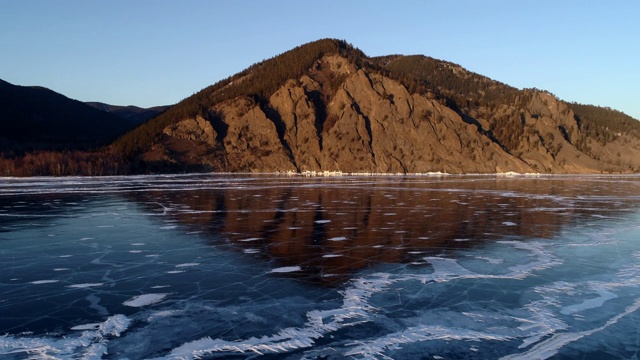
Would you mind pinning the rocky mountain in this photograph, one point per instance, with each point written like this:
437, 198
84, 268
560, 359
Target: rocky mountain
133, 114
36, 118
326, 106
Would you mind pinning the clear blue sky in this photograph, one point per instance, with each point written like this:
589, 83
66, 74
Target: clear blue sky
155, 52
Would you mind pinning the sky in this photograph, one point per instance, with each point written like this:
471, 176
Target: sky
158, 52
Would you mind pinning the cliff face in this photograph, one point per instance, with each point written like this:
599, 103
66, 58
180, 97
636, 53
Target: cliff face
341, 117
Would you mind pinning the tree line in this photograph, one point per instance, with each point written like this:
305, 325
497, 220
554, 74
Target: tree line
65, 163
604, 124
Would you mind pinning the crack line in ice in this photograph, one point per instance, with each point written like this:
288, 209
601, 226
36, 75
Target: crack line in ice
419, 333
550, 347
356, 310
589, 303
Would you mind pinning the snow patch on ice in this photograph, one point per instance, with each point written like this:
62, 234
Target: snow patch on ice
39, 282
163, 314
286, 269
85, 285
94, 326
337, 238
187, 265
145, 299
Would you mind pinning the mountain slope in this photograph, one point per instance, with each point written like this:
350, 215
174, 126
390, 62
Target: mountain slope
326, 106
133, 114
35, 118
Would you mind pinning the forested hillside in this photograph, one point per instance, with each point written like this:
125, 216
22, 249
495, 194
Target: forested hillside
133, 114
36, 118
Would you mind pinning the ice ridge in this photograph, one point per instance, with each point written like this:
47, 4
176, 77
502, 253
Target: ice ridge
90, 344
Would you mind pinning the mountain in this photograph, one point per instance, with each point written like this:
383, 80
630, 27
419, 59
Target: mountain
36, 118
133, 114
326, 106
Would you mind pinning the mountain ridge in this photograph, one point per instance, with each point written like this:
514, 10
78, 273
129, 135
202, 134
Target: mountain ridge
37, 118
133, 114
326, 106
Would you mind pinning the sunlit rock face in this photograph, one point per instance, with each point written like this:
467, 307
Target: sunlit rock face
395, 267
339, 117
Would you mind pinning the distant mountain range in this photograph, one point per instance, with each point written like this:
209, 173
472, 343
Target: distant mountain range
326, 106
133, 114
36, 118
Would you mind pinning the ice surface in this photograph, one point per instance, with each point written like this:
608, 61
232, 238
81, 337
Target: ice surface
552, 346
589, 303
350, 267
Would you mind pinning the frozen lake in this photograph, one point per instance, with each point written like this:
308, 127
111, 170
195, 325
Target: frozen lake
278, 267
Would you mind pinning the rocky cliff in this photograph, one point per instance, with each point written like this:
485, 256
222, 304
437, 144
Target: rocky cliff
358, 115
